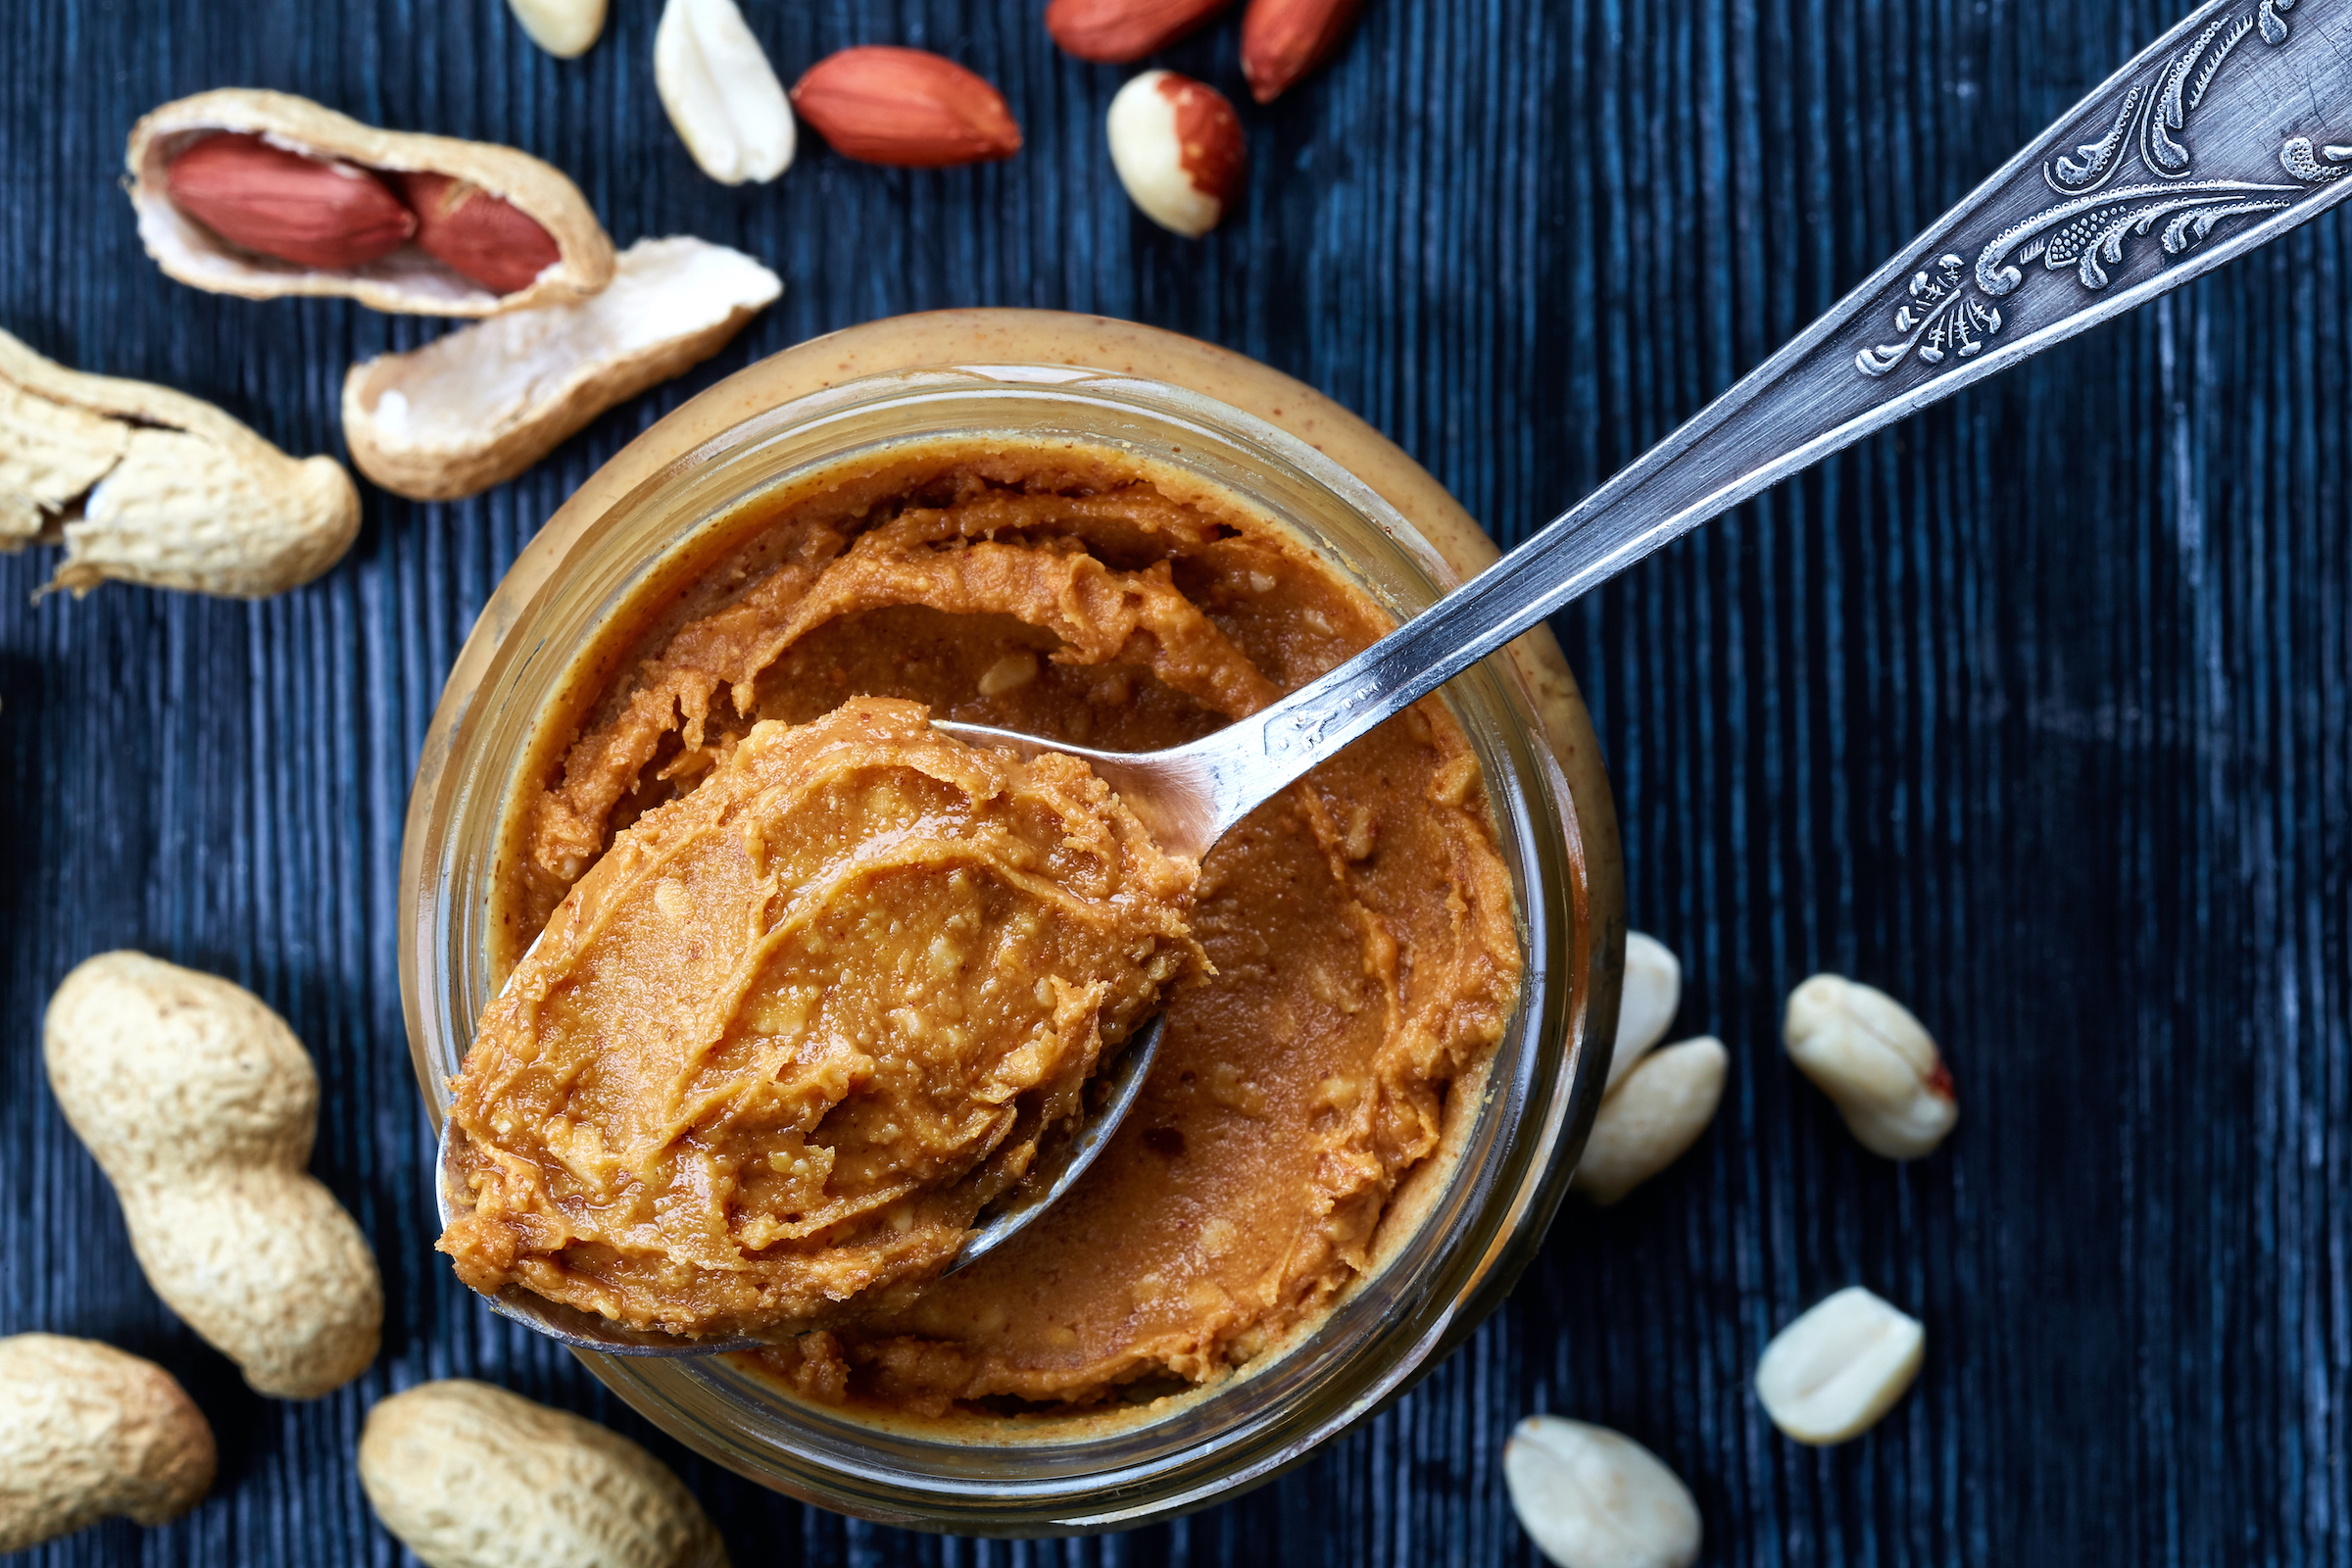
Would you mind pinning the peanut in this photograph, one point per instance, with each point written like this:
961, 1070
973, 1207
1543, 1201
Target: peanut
1177, 145
88, 1433
722, 95
565, 29
1118, 32
146, 485
1596, 1499
263, 195
200, 1106
906, 107
1647, 1121
1878, 1064
1281, 41
1646, 1003
1834, 1372
468, 231
471, 1476
314, 211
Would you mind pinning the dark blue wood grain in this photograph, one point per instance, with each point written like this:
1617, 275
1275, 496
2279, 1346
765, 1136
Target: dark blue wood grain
2037, 710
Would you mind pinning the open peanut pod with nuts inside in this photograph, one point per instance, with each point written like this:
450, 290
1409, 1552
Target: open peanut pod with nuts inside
257, 193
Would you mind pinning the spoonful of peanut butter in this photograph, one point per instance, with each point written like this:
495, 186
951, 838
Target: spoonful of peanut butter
797, 1030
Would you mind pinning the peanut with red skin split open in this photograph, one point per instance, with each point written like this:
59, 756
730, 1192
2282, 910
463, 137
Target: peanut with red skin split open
315, 212
1177, 146
273, 137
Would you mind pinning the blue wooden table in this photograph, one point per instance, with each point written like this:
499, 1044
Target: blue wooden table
2037, 710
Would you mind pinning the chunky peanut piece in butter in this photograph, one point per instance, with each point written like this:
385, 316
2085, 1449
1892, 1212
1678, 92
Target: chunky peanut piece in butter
778, 1046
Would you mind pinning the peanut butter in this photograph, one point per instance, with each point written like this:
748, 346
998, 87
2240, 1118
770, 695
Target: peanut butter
779, 1046
1359, 930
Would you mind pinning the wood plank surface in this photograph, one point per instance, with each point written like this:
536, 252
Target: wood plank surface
2033, 710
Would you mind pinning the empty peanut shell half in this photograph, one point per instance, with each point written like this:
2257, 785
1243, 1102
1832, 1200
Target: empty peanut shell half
484, 402
243, 191
143, 484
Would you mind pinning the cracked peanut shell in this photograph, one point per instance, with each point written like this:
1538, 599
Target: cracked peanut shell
147, 485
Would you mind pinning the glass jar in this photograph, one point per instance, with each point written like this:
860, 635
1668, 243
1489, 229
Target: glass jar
1462, 1224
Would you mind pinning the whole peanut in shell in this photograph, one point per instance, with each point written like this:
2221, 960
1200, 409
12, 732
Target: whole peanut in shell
88, 1433
471, 1476
316, 212
200, 1106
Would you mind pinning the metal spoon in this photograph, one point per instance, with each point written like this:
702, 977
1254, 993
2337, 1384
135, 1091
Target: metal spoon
2226, 132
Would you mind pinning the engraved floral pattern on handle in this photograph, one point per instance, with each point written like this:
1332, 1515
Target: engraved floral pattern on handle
1949, 313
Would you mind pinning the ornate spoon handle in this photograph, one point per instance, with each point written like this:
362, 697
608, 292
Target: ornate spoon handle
2225, 133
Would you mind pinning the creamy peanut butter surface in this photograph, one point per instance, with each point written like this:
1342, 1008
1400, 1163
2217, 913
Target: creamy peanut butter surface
793, 1028
1359, 927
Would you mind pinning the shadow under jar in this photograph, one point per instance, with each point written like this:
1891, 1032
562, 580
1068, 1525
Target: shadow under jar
585, 601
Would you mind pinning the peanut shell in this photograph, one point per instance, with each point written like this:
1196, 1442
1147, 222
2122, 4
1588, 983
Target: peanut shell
480, 405
200, 1106
143, 484
408, 280
469, 1476
88, 1433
